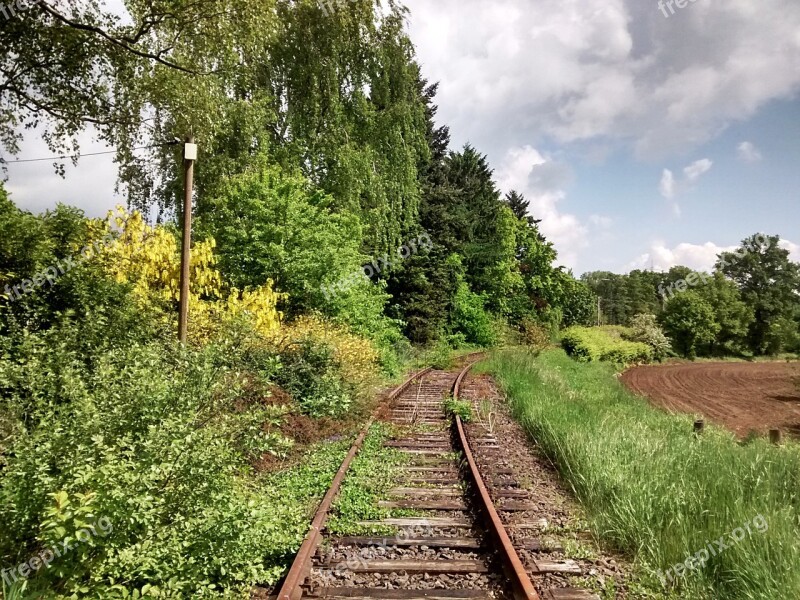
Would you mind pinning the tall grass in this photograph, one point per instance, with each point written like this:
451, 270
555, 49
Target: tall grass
655, 491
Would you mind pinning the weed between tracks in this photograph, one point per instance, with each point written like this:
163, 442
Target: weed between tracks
654, 491
372, 474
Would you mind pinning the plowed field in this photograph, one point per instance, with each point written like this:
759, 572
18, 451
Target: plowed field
741, 396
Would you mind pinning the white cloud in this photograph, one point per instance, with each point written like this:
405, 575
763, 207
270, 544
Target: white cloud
697, 168
748, 152
600, 221
794, 250
700, 257
667, 185
542, 180
616, 69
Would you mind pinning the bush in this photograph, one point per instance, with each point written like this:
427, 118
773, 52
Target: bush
471, 318
587, 344
310, 374
645, 329
534, 335
155, 440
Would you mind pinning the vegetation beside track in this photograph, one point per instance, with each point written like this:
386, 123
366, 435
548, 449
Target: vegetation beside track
369, 479
653, 490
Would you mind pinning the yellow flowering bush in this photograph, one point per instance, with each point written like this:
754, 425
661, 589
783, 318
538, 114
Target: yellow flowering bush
358, 358
149, 258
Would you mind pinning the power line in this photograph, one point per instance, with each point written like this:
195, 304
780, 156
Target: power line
30, 160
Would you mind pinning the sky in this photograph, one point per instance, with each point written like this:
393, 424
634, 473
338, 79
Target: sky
645, 135
641, 140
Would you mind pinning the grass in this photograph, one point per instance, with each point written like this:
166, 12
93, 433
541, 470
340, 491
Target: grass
653, 490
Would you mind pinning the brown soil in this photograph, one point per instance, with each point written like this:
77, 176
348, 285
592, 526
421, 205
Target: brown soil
743, 397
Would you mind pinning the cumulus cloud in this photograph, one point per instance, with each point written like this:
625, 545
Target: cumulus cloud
794, 250
697, 168
700, 257
542, 180
748, 152
584, 69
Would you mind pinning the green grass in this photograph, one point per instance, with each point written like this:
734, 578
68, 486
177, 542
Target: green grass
653, 490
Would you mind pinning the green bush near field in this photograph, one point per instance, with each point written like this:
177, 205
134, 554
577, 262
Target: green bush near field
652, 489
587, 344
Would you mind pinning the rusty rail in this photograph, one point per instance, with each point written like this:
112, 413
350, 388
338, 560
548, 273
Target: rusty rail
301, 567
521, 584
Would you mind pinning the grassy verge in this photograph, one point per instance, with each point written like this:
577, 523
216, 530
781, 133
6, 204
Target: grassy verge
652, 490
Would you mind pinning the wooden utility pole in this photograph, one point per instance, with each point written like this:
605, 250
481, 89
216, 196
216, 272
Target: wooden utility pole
189, 156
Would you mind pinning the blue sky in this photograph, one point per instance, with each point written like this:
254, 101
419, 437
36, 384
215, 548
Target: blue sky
625, 129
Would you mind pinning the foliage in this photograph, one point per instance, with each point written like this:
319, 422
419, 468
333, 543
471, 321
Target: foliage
768, 282
372, 474
752, 293
645, 482
689, 320
148, 258
471, 318
534, 335
460, 408
645, 329
732, 314
587, 344
357, 357
155, 440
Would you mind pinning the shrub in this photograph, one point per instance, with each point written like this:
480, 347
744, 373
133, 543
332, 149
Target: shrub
587, 344
310, 374
534, 335
154, 440
461, 408
645, 329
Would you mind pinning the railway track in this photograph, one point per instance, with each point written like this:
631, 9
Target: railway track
465, 540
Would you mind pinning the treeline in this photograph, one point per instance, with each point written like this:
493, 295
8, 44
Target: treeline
319, 154
748, 305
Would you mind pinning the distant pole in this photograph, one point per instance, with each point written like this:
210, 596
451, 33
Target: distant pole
189, 156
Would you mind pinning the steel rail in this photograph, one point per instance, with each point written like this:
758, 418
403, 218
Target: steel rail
301, 566
521, 583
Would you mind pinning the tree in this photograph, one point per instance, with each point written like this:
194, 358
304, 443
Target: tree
689, 320
269, 224
768, 282
732, 314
